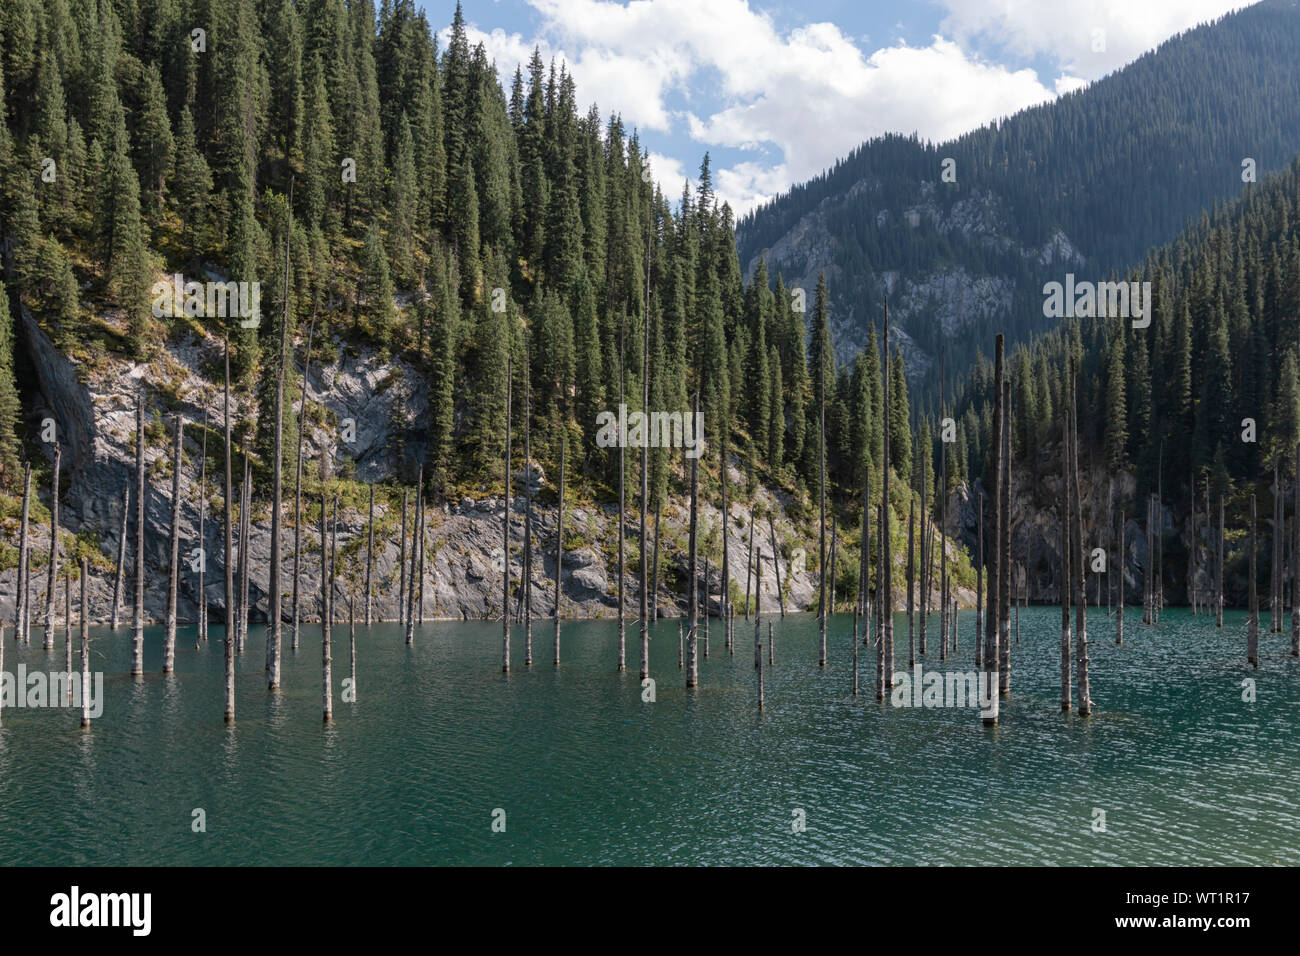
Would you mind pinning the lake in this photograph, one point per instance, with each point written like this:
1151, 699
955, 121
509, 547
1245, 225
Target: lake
440, 745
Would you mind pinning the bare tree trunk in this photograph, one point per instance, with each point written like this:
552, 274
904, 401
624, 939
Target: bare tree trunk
169, 642
758, 625
20, 598
886, 551
1252, 631
1275, 563
401, 559
830, 588
776, 562
693, 600
943, 514
725, 600
1119, 595
994, 613
297, 493
821, 498
1295, 562
924, 575
85, 646
505, 543
622, 472
527, 595
27, 600
67, 629
979, 580
370, 556
203, 514
54, 551
559, 551
749, 562
1218, 573
414, 582
137, 615
1080, 607
245, 546
352, 645
424, 530
911, 537
1004, 562
654, 588
326, 615
681, 653
706, 604
880, 604
644, 623
229, 567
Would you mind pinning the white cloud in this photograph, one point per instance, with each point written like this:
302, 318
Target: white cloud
1067, 32
800, 100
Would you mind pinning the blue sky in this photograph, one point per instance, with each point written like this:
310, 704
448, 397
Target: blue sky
777, 91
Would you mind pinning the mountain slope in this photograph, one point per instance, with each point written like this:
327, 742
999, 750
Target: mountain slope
1085, 184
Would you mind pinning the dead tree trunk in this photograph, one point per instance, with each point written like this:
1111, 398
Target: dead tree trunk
911, 537
274, 631
370, 556
1076, 527
758, 626
414, 583
54, 550
644, 568
654, 588
693, 600
505, 543
85, 646
226, 558
327, 683
622, 472
886, 551
1004, 561
821, 497
297, 492
20, 598
352, 646
424, 531
925, 553
559, 550
991, 655
169, 642
203, 514
137, 615
245, 542
1252, 628
1295, 562
401, 547
527, 595
725, 598
1218, 573
1119, 585
979, 580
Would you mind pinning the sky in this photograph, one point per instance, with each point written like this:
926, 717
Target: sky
777, 90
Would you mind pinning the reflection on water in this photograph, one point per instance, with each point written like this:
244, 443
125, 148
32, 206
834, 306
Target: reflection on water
586, 771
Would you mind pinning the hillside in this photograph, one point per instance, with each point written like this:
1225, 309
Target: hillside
1085, 184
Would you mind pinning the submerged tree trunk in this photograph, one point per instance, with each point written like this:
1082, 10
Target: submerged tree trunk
1004, 561
725, 599
505, 543
226, 560
121, 556
994, 611
352, 646
911, 538
758, 626
1080, 607
1067, 565
821, 497
370, 556
559, 550
203, 514
1218, 573
137, 615
886, 551
979, 580
169, 641
622, 473
644, 568
274, 588
327, 683
1295, 563
401, 543
245, 541
415, 580
54, 550
693, 599
85, 646
297, 492
20, 598
1252, 627
1119, 585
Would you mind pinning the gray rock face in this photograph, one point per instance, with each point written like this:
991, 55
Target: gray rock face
385, 401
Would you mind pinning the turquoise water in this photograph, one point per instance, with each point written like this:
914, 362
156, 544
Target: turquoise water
588, 773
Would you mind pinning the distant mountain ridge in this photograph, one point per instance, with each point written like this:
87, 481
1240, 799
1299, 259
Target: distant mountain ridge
1085, 184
